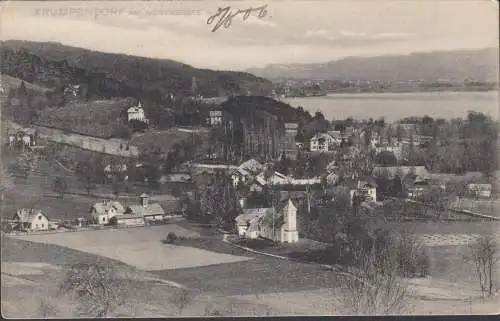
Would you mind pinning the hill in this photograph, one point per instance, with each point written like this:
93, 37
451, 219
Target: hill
99, 118
9, 83
246, 106
480, 65
109, 75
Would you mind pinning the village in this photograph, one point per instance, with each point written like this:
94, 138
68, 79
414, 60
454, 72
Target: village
279, 172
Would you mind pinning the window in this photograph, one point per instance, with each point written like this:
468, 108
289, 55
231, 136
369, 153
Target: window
104, 219
43, 225
40, 217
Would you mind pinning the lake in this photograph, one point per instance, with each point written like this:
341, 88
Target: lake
394, 106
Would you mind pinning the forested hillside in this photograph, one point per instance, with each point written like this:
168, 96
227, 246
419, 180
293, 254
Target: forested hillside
109, 75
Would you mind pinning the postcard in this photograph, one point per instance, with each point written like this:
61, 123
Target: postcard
249, 158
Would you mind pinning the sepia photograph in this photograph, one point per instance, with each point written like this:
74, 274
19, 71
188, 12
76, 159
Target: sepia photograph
249, 158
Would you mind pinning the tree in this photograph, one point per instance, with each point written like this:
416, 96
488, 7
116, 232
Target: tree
97, 288
386, 158
60, 186
375, 286
6, 181
485, 256
123, 131
113, 221
438, 199
86, 171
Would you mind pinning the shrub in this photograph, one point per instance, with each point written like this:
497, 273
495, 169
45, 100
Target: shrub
171, 238
113, 221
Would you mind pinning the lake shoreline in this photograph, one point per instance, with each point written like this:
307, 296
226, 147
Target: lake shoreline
396, 106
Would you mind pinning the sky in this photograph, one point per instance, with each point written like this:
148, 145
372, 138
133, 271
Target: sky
287, 31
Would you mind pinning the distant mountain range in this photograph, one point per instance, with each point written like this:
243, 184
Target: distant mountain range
454, 66
53, 65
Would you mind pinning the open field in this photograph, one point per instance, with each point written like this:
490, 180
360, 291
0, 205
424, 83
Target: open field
31, 273
9, 82
486, 207
99, 118
139, 247
162, 139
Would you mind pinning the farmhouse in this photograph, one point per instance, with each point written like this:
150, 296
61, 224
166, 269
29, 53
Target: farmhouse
30, 219
150, 212
103, 211
279, 224
247, 223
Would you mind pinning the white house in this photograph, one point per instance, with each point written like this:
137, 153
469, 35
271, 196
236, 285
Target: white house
136, 113
103, 211
30, 219
215, 117
322, 142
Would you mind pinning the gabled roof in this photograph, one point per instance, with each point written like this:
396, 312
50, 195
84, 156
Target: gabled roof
151, 209
105, 206
335, 134
27, 215
251, 165
319, 136
128, 217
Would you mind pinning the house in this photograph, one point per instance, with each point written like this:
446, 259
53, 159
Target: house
365, 188
417, 187
215, 117
248, 219
245, 171
279, 224
277, 179
150, 212
103, 211
130, 220
393, 180
336, 137
114, 168
479, 190
136, 113
321, 142
23, 137
72, 92
30, 219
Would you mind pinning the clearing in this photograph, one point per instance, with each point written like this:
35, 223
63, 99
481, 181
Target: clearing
140, 247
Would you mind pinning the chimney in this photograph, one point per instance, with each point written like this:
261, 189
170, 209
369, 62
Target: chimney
144, 199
